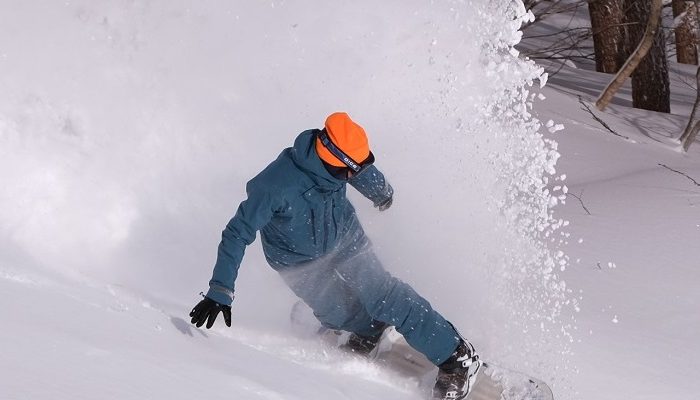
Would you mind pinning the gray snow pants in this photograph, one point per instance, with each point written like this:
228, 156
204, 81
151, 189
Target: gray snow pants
349, 288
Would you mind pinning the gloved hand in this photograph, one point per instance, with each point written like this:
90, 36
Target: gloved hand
207, 310
386, 204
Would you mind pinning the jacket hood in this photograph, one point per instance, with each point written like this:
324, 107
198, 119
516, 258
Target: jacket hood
306, 158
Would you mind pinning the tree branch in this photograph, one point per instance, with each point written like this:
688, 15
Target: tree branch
632, 62
682, 173
606, 126
580, 200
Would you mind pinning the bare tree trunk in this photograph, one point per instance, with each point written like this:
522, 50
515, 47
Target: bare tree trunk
686, 32
650, 81
607, 19
645, 44
691, 131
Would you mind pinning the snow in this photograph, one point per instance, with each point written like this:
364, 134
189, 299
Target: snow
635, 262
128, 130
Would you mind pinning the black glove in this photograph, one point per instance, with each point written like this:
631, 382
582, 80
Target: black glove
385, 204
209, 309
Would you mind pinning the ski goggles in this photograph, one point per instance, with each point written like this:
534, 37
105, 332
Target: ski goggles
344, 158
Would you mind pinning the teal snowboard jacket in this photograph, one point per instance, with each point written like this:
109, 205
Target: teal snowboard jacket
300, 209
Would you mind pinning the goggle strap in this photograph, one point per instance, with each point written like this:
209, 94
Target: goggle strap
330, 146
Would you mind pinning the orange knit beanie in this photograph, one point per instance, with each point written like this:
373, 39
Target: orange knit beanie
347, 136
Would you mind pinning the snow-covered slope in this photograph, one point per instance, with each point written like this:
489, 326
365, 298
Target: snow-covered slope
633, 247
634, 215
127, 133
86, 341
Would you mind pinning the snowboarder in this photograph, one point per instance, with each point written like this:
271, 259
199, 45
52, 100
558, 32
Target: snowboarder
311, 236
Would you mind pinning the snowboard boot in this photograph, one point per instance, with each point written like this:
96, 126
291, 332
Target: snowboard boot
363, 345
456, 376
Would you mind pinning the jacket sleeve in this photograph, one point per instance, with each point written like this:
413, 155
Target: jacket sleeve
371, 183
252, 214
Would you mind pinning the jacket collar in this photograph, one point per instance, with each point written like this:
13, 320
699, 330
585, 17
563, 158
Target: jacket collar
305, 157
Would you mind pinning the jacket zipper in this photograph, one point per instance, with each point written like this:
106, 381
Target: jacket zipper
326, 228
333, 217
313, 228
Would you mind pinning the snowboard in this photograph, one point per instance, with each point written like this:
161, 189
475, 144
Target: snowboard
394, 353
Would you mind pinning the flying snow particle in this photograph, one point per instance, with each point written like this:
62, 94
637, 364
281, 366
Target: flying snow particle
556, 128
